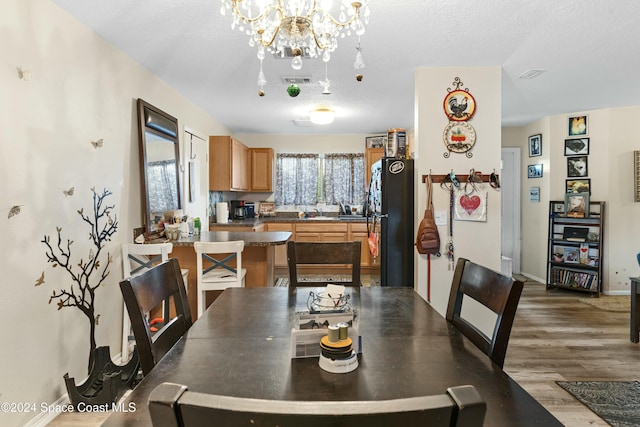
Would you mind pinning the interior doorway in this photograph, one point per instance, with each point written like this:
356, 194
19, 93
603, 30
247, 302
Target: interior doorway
196, 177
510, 192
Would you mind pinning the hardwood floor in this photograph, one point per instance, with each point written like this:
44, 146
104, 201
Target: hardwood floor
554, 338
557, 338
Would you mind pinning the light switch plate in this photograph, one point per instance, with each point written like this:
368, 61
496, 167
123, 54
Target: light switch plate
440, 217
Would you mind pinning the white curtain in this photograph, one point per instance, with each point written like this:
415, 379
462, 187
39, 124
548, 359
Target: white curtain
344, 178
296, 179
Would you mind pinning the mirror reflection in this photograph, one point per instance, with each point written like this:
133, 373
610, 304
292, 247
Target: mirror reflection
159, 165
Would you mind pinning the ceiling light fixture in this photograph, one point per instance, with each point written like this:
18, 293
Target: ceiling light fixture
322, 116
306, 27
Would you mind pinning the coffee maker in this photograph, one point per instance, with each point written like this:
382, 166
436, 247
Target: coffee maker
238, 209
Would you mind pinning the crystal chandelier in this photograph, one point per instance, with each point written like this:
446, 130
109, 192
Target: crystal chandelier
297, 27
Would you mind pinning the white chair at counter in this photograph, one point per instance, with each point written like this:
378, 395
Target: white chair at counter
219, 275
136, 259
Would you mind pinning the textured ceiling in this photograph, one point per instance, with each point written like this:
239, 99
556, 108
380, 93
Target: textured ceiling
590, 50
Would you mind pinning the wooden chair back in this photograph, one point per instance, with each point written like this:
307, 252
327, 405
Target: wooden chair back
329, 253
172, 405
497, 292
146, 291
136, 259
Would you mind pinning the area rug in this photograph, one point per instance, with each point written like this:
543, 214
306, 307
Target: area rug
616, 402
609, 303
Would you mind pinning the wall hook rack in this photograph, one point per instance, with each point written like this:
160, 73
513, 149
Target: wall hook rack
438, 178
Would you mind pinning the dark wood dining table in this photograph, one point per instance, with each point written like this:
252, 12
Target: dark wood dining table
241, 346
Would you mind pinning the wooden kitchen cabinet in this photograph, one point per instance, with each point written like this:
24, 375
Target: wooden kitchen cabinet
322, 232
372, 155
229, 164
261, 169
311, 231
359, 232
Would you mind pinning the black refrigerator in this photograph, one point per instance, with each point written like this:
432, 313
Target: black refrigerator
391, 193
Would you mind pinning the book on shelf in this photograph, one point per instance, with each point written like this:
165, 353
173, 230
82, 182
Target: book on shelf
574, 279
575, 234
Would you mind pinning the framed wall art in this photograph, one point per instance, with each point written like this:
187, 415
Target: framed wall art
578, 126
578, 186
376, 141
576, 205
535, 145
534, 171
534, 194
576, 146
577, 167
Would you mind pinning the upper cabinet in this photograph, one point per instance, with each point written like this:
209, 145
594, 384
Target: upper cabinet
229, 164
372, 156
261, 169
235, 167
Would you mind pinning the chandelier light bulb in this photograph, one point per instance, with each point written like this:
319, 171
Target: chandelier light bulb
296, 63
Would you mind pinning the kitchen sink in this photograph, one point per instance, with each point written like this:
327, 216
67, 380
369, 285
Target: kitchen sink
323, 218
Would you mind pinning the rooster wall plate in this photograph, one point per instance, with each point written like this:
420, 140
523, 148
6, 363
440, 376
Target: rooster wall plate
459, 137
459, 105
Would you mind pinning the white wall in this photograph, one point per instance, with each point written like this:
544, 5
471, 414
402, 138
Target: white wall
80, 89
477, 241
610, 168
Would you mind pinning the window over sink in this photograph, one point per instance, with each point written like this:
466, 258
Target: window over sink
333, 178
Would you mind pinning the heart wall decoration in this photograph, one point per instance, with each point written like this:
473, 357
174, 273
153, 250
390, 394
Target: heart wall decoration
470, 207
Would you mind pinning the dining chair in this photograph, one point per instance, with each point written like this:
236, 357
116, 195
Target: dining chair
146, 291
497, 292
137, 258
173, 405
319, 253
218, 274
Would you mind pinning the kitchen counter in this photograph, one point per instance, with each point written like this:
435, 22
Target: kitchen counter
265, 220
258, 258
251, 239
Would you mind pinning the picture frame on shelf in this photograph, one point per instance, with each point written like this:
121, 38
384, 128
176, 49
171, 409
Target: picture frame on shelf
578, 125
534, 194
535, 145
577, 167
576, 146
558, 208
576, 205
534, 171
376, 141
571, 255
582, 185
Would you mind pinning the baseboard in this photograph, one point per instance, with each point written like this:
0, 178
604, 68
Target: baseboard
44, 418
532, 277
620, 292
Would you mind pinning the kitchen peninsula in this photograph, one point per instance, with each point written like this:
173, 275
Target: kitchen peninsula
258, 256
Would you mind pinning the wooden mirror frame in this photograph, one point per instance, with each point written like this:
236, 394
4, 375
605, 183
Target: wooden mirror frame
156, 125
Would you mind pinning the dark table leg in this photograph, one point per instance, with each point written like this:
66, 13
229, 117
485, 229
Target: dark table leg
635, 309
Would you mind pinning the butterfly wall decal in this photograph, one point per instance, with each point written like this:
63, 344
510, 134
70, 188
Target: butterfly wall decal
68, 192
15, 210
23, 74
98, 143
40, 280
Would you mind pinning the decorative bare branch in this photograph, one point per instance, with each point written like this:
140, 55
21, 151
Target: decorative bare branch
86, 276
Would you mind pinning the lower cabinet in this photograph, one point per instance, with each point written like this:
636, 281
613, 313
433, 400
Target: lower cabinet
324, 232
359, 232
